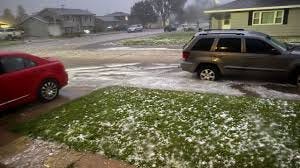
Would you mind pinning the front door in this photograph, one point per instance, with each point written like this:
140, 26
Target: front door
226, 23
16, 81
2, 95
263, 57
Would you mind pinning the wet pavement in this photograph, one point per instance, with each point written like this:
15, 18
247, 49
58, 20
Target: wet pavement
171, 77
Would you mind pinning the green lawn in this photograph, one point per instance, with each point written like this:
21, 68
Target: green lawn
155, 128
174, 38
4, 43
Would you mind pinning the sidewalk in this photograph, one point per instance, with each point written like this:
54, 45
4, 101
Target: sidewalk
21, 151
25, 152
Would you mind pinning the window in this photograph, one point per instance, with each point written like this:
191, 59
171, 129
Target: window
226, 21
28, 63
1, 68
279, 17
257, 46
229, 45
256, 18
267, 17
204, 44
11, 64
10, 30
68, 29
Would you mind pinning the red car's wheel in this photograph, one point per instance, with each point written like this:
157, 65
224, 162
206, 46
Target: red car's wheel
49, 90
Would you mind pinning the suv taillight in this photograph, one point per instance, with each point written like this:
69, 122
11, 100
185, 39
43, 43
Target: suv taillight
185, 55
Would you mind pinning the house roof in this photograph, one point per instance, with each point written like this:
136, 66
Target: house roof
247, 5
118, 14
108, 18
65, 11
39, 18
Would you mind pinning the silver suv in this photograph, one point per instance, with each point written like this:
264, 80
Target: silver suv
212, 53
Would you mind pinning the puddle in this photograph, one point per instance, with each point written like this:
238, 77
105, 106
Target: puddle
241, 88
284, 88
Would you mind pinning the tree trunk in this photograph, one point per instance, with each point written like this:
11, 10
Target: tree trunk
164, 20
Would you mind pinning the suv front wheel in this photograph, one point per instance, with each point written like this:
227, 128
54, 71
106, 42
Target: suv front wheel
209, 73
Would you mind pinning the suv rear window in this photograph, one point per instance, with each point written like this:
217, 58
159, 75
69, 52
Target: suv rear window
203, 44
229, 45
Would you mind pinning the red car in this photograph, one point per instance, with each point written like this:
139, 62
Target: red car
25, 78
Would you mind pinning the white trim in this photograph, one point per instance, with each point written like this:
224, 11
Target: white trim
274, 19
39, 19
10, 101
250, 9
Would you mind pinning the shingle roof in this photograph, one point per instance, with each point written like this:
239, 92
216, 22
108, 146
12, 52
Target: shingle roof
65, 11
39, 18
108, 18
118, 14
245, 4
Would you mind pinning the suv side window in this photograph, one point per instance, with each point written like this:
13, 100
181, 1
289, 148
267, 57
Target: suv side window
257, 46
229, 45
11, 64
203, 44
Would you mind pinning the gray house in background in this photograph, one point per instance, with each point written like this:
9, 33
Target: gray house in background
114, 19
102, 22
274, 17
58, 21
122, 16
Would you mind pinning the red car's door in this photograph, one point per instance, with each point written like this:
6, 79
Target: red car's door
2, 95
17, 81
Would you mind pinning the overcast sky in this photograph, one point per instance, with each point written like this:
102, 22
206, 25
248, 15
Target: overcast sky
99, 7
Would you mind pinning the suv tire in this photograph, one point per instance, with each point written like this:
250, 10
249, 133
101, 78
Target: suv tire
297, 82
208, 72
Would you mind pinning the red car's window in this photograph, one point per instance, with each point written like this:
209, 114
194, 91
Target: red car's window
11, 64
1, 69
28, 63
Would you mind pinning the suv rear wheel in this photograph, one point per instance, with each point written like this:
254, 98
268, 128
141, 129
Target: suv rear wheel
209, 73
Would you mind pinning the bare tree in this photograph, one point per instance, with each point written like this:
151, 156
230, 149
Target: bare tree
21, 13
165, 8
8, 16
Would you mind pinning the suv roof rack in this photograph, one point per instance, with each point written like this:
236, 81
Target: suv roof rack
240, 34
224, 30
